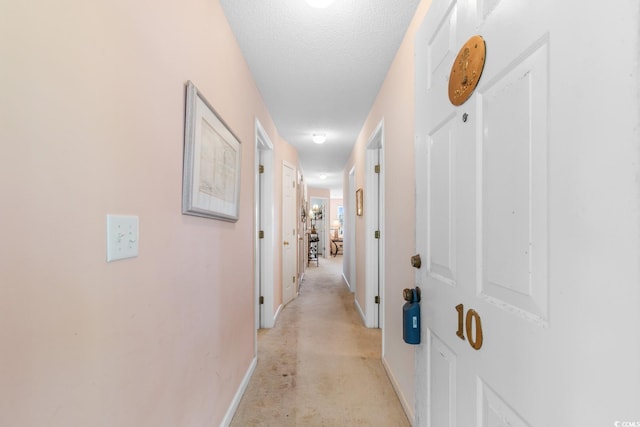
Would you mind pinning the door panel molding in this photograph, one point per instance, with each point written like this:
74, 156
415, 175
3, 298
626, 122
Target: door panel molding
441, 212
513, 203
494, 410
441, 389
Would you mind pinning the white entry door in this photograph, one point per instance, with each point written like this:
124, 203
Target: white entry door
527, 217
289, 235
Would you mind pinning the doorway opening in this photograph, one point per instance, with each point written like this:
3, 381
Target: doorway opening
319, 214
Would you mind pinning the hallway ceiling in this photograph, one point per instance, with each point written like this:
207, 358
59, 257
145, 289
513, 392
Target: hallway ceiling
319, 70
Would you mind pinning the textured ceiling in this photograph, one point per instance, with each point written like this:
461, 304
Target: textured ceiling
319, 70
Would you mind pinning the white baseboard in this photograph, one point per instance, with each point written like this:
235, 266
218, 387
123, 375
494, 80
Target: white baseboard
236, 399
272, 323
364, 318
409, 410
346, 282
275, 316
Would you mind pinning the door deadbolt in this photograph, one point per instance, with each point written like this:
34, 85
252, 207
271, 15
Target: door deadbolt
416, 261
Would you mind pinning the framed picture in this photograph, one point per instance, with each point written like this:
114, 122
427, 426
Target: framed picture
359, 210
211, 170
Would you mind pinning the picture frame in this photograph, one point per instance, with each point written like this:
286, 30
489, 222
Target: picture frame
211, 164
359, 208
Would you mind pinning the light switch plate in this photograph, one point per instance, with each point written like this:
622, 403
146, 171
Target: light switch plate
122, 237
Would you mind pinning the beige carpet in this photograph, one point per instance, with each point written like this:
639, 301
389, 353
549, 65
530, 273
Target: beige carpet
319, 366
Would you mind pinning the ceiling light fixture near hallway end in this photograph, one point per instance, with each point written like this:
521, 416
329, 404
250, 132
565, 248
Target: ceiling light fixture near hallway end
319, 4
319, 138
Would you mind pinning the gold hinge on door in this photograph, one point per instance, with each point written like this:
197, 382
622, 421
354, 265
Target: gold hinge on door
377, 234
261, 299
377, 299
261, 168
261, 234
377, 168
294, 279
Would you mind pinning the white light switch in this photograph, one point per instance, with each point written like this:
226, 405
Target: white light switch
122, 237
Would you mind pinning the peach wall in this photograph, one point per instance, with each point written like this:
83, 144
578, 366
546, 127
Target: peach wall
321, 193
91, 123
394, 104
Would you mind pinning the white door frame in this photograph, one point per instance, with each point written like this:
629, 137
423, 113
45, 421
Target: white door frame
374, 220
263, 203
350, 228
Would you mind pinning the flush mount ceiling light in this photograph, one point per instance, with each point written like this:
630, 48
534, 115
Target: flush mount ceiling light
323, 176
319, 4
319, 138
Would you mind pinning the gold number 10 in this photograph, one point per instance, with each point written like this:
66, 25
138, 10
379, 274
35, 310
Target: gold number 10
475, 340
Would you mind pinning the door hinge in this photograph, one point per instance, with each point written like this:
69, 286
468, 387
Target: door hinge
261, 168
377, 234
377, 168
261, 234
294, 279
261, 299
377, 299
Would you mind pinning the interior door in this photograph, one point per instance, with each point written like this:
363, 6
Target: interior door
526, 273
289, 240
374, 223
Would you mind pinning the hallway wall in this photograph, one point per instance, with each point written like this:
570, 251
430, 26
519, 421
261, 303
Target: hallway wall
92, 123
395, 105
